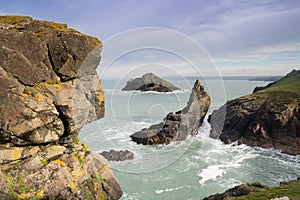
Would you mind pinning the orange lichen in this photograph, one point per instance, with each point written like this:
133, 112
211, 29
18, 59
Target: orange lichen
14, 19
59, 162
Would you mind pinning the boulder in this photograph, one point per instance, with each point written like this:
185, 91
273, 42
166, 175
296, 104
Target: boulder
49, 90
268, 118
121, 155
177, 126
150, 82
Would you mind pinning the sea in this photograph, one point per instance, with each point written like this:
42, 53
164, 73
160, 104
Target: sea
192, 169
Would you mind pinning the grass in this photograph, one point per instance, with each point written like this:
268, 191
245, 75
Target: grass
286, 84
291, 190
284, 89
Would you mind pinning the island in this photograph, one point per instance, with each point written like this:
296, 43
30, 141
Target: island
150, 82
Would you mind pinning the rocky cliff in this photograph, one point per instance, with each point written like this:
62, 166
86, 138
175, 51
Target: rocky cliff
49, 90
268, 118
177, 126
150, 82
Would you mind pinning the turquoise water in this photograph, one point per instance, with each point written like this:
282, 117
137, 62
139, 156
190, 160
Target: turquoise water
191, 169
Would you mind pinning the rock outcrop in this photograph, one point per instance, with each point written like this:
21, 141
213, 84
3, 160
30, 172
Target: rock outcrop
121, 155
177, 126
238, 191
285, 191
268, 118
150, 82
49, 90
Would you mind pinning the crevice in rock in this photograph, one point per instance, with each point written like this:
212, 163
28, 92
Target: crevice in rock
64, 120
50, 57
52, 62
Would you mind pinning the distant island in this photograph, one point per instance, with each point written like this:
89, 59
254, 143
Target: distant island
150, 82
266, 78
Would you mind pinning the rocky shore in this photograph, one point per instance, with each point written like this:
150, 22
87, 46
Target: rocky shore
285, 191
49, 90
177, 126
268, 118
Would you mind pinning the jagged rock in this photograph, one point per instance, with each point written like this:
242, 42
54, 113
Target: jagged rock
178, 125
49, 90
150, 82
267, 118
113, 155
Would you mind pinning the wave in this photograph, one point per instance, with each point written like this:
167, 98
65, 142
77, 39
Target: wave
171, 189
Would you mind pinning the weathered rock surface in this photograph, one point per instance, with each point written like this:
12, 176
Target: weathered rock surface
150, 82
49, 90
121, 155
270, 117
177, 126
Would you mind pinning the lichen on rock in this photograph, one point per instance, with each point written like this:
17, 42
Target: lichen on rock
49, 90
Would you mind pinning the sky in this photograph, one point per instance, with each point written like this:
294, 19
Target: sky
237, 37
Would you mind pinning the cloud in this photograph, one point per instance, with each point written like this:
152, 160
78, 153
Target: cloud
234, 32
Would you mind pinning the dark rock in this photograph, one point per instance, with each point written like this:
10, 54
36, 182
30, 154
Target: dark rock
154, 87
237, 191
49, 90
113, 155
177, 126
267, 118
150, 82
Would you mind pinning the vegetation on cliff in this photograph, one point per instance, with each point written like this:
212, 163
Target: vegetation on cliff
268, 118
257, 191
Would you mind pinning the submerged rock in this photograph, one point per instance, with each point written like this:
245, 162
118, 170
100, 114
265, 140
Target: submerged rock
150, 82
268, 118
49, 90
177, 126
113, 155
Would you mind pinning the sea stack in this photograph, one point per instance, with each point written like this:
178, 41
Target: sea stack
150, 82
267, 118
49, 90
177, 126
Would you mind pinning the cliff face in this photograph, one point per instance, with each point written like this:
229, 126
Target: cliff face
49, 90
177, 126
270, 117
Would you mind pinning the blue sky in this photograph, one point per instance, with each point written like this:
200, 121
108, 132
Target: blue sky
241, 37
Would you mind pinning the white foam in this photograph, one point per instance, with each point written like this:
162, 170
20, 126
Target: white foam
211, 173
151, 92
221, 158
171, 189
205, 128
